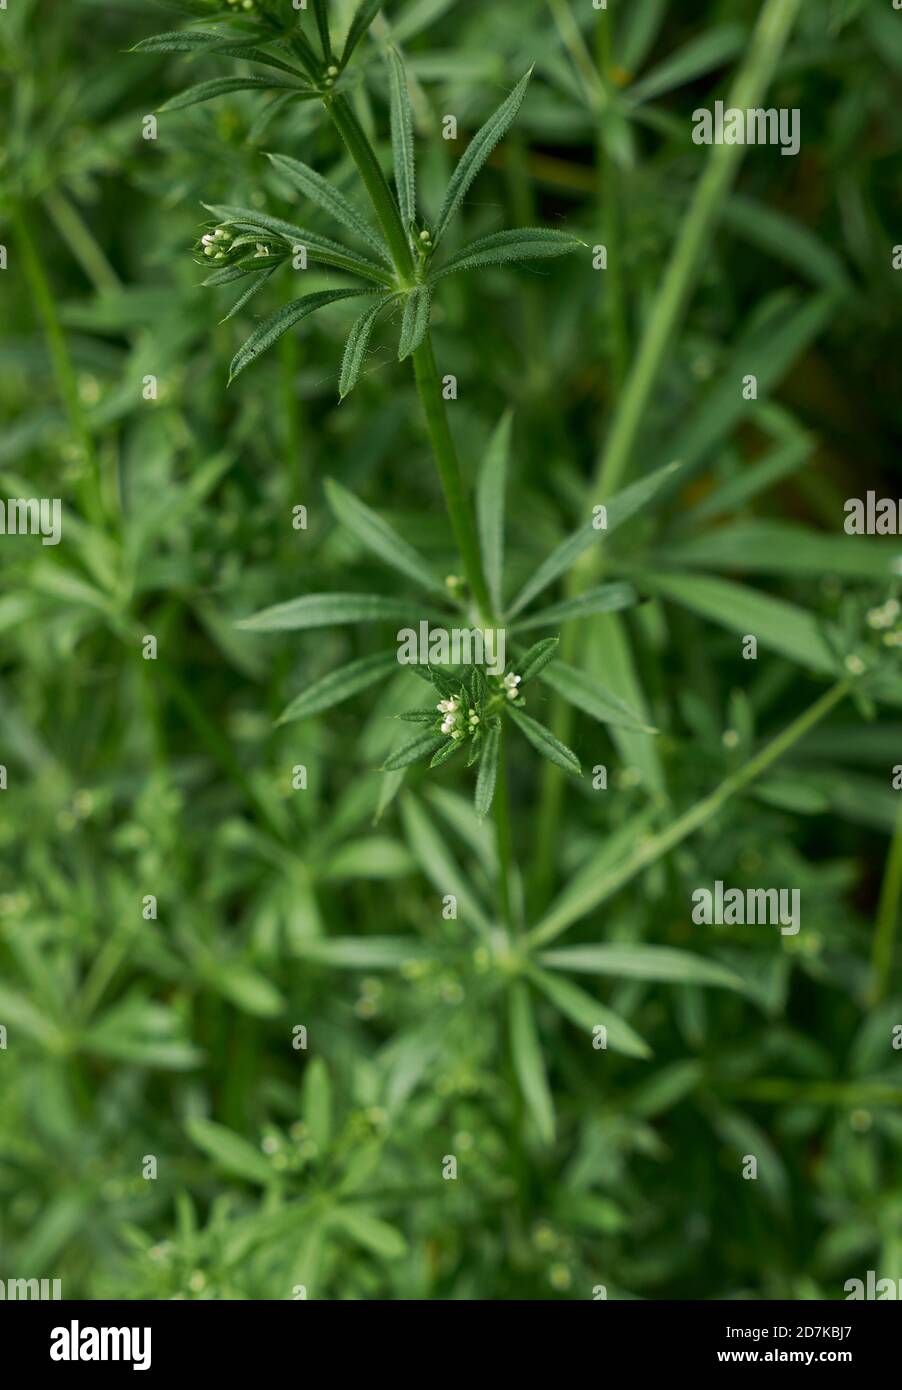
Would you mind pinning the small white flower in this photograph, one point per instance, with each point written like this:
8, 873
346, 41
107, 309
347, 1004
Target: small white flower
854, 665
261, 250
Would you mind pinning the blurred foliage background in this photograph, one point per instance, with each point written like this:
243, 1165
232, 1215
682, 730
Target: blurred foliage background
172, 1037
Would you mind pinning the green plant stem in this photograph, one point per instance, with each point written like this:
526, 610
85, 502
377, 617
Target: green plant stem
89, 488
770, 35
887, 915
445, 453
501, 812
654, 847
381, 196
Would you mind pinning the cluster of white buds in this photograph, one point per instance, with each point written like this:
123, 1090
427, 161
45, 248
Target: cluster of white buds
510, 684
215, 244
240, 4
885, 616
450, 708
331, 74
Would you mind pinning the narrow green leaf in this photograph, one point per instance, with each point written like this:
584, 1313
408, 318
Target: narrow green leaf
192, 41
423, 746
607, 598
620, 509
340, 685
361, 952
357, 346
328, 610
451, 746
256, 283
544, 741
477, 152
528, 1062
508, 248
316, 1103
319, 248
379, 537
641, 962
321, 11
588, 695
415, 322
272, 328
488, 772
402, 137
313, 186
713, 48
779, 547
490, 497
575, 1004
438, 863
363, 18
222, 86
370, 1232
537, 658
230, 1151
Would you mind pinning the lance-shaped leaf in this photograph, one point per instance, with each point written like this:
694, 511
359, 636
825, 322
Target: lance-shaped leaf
451, 747
272, 328
574, 1003
488, 772
402, 137
361, 952
423, 746
620, 509
415, 321
477, 152
490, 496
321, 11
340, 685
529, 1064
222, 86
587, 695
507, 248
256, 283
230, 1151
356, 347
192, 41
366, 13
317, 247
606, 598
328, 610
544, 741
379, 537
636, 961
430, 847
313, 186
537, 658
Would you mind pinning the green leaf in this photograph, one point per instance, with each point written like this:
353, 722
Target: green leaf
583, 1010
313, 186
222, 86
606, 598
321, 11
619, 510
478, 151
379, 537
423, 746
244, 987
641, 962
544, 741
230, 1151
528, 1062
361, 952
316, 1103
791, 631
785, 239
363, 18
357, 346
191, 41
414, 325
340, 685
779, 547
713, 48
451, 747
507, 248
490, 506
272, 328
327, 610
586, 694
257, 283
318, 248
537, 658
370, 1232
488, 772
438, 864
402, 137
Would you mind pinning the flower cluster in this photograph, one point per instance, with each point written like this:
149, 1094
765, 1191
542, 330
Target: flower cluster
885, 619
214, 245
457, 722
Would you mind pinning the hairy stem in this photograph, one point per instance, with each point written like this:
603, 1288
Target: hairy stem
445, 454
501, 811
